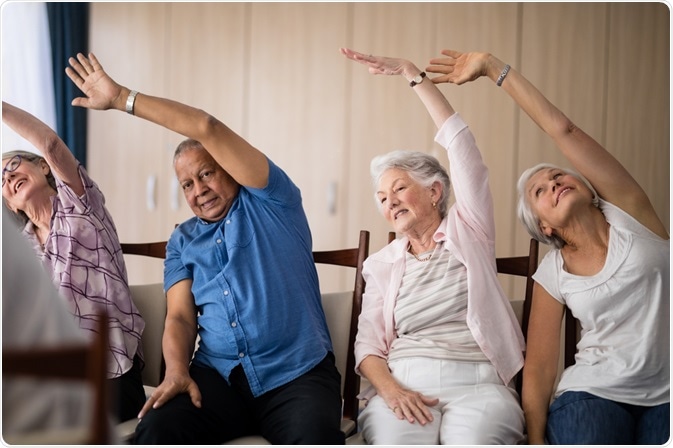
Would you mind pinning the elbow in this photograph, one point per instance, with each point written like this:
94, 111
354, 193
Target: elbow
207, 126
53, 148
563, 128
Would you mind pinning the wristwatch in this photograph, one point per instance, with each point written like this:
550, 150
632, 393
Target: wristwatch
417, 79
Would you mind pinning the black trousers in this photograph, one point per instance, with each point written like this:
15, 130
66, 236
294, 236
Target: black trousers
127, 392
305, 411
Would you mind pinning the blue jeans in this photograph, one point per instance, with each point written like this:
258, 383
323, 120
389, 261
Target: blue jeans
580, 418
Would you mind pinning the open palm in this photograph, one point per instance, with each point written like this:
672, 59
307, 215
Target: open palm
88, 75
457, 67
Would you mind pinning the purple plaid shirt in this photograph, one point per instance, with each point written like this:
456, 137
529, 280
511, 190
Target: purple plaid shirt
83, 255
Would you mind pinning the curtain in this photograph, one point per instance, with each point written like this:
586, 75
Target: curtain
69, 31
26, 67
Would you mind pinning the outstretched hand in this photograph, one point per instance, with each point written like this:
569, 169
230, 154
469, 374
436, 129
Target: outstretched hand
101, 91
378, 65
458, 68
171, 386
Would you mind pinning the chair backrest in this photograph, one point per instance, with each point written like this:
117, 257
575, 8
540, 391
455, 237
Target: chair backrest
86, 363
151, 303
342, 310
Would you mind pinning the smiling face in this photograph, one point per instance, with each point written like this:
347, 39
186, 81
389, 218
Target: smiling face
554, 195
208, 189
406, 204
28, 182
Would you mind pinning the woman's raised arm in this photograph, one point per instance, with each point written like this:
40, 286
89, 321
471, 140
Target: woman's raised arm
609, 177
44, 139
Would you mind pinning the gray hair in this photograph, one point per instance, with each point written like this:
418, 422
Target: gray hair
525, 212
35, 159
422, 168
186, 145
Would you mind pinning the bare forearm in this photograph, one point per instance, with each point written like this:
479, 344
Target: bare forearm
435, 102
376, 371
535, 397
178, 344
45, 140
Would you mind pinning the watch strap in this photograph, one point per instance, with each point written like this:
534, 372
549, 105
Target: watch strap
413, 81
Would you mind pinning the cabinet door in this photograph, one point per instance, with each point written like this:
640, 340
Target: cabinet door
637, 115
384, 113
296, 87
124, 152
206, 67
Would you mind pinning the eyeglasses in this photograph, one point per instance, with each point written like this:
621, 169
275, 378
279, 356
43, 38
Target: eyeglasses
11, 166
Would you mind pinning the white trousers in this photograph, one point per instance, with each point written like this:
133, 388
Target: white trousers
475, 407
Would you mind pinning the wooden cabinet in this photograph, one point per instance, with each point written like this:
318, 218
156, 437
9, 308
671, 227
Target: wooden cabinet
273, 73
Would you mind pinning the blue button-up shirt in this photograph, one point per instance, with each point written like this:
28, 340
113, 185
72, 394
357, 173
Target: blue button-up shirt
255, 286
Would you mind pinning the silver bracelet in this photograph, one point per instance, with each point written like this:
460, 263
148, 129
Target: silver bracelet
130, 101
503, 75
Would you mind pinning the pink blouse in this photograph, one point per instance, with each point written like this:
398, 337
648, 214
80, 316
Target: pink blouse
468, 231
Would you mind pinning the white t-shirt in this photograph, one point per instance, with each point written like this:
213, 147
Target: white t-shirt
624, 312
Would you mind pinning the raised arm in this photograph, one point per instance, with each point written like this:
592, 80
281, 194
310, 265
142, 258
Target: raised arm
44, 139
247, 165
610, 179
436, 103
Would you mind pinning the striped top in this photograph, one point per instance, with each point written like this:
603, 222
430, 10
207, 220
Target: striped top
431, 309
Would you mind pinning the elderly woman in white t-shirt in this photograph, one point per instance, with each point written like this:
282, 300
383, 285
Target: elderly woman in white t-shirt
609, 265
437, 338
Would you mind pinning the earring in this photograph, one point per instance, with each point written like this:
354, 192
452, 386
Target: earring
434, 205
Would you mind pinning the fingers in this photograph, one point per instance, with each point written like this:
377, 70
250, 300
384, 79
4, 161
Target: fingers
85, 63
94, 62
149, 404
74, 77
194, 394
452, 53
414, 408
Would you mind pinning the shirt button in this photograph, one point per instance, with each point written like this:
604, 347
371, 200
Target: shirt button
233, 324
226, 293
228, 221
219, 241
241, 355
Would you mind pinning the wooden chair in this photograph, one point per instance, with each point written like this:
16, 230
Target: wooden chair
342, 310
151, 303
85, 363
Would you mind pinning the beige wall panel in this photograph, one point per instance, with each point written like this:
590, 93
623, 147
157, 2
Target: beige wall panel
567, 64
385, 114
128, 39
638, 97
206, 68
490, 113
297, 108
489, 27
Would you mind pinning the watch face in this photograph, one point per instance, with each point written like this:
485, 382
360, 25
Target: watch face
418, 79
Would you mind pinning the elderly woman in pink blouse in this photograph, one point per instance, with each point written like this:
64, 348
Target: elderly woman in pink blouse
64, 217
437, 338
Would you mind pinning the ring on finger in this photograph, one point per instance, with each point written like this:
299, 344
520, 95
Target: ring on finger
395, 408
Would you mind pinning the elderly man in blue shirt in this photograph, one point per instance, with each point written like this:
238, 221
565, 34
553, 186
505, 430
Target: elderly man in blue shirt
241, 276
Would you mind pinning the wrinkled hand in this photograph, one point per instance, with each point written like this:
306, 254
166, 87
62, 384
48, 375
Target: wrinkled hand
410, 405
457, 67
378, 65
171, 386
88, 75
